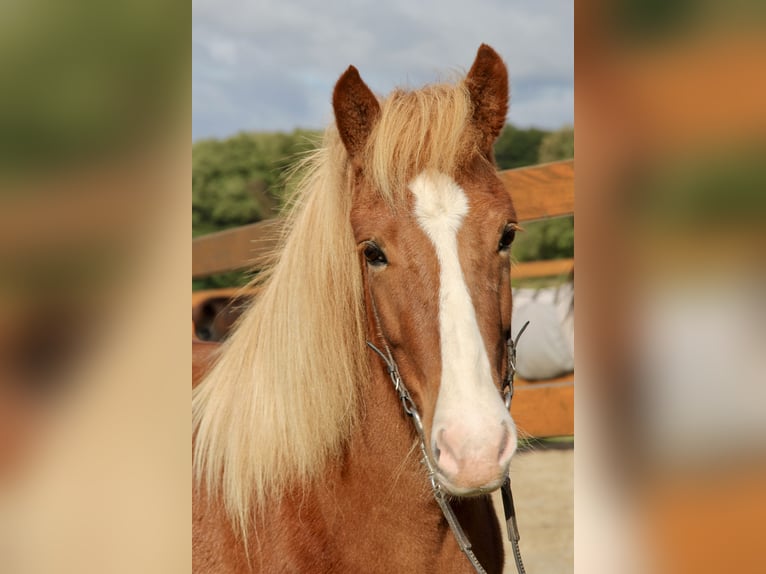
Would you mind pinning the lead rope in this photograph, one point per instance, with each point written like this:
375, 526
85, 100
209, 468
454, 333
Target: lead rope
508, 508
411, 410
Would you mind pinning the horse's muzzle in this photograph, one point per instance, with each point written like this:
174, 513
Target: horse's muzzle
470, 462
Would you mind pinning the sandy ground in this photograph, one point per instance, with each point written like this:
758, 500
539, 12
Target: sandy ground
543, 494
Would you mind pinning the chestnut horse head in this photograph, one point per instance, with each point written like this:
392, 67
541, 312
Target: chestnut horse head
433, 224
399, 234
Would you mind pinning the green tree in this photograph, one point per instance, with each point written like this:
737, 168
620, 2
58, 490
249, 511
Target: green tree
240, 180
557, 145
518, 147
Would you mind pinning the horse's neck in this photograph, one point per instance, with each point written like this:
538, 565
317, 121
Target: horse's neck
375, 510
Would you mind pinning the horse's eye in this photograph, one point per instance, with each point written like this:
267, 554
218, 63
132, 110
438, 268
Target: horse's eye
507, 238
374, 255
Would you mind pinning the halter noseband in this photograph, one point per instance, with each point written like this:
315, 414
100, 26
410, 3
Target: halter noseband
412, 411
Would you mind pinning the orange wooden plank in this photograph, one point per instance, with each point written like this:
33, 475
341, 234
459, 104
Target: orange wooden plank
232, 249
544, 409
547, 268
228, 292
541, 191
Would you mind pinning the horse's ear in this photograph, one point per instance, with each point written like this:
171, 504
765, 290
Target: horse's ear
356, 110
487, 84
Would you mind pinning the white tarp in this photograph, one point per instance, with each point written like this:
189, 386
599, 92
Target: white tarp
546, 349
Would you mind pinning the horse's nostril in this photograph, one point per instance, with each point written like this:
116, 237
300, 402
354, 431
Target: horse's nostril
437, 452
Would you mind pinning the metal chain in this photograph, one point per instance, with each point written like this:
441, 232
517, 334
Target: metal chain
411, 409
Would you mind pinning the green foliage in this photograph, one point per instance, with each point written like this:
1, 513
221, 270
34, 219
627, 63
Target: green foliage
241, 179
230, 279
518, 147
549, 239
557, 145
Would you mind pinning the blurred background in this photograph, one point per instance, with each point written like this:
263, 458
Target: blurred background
671, 398
94, 188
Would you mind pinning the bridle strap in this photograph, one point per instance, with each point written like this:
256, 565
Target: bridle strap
412, 411
508, 508
510, 370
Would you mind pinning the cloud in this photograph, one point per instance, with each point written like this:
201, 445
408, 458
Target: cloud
271, 65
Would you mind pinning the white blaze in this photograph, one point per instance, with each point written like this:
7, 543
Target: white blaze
467, 392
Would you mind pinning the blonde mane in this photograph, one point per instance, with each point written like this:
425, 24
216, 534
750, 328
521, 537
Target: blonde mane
285, 392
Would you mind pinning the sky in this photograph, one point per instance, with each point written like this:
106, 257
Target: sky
270, 65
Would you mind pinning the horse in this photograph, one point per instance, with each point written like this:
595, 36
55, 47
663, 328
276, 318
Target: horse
394, 266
